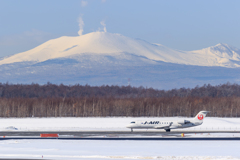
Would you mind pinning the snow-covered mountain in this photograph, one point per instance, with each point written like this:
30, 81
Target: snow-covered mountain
219, 55
108, 44
102, 58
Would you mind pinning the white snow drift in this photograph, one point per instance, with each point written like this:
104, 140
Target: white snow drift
104, 43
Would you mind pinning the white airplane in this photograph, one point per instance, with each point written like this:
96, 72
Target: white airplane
168, 125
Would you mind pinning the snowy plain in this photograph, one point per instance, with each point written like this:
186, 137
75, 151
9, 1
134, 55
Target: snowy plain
78, 149
108, 123
94, 149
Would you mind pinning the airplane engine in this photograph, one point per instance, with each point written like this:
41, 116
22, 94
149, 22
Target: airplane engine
183, 122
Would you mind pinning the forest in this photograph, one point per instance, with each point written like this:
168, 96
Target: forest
51, 100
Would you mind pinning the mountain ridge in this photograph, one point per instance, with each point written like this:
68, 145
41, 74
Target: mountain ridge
101, 58
112, 44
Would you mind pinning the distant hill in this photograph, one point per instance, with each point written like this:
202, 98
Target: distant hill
101, 58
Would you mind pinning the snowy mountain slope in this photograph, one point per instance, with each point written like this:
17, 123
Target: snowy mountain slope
140, 71
102, 58
99, 43
220, 54
116, 45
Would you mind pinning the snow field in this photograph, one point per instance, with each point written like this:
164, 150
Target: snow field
108, 124
162, 150
82, 149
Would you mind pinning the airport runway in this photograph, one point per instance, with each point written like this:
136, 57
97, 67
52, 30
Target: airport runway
109, 133
118, 135
131, 138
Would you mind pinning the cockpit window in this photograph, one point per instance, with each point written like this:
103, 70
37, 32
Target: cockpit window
133, 122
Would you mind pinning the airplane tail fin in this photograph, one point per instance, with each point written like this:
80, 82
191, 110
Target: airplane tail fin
200, 116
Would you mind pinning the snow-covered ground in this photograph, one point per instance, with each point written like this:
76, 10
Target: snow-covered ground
113, 124
162, 150
82, 149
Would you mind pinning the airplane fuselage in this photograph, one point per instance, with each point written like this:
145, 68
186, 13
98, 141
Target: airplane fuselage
168, 125
160, 124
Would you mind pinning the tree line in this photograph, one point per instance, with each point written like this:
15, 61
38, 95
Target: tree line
54, 91
133, 107
50, 100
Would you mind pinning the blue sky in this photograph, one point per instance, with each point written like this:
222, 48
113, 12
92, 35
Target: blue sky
182, 25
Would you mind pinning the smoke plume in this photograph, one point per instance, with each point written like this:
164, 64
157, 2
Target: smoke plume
80, 24
104, 26
84, 3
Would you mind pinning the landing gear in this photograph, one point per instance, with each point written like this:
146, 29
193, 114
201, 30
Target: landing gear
131, 130
167, 130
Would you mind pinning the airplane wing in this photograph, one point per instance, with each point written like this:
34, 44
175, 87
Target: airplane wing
162, 126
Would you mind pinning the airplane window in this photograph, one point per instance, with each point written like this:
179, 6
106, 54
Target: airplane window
132, 122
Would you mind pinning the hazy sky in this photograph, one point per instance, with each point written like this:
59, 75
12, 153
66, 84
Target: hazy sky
179, 24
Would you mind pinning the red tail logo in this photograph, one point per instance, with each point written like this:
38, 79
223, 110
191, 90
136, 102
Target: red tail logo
200, 116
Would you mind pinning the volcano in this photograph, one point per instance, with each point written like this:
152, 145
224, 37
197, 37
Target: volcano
102, 58
109, 44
